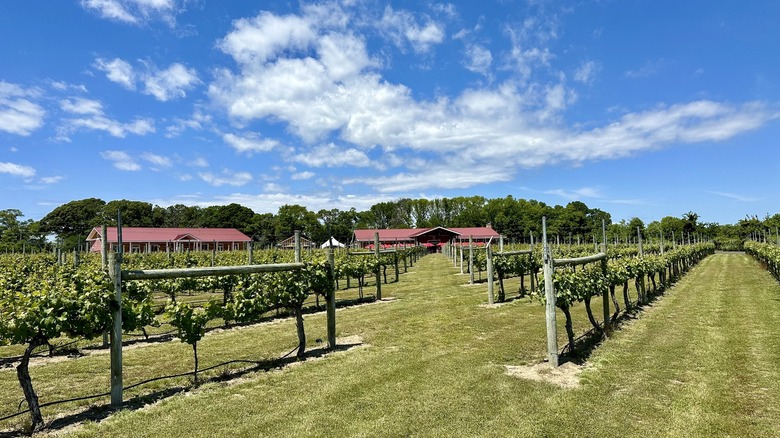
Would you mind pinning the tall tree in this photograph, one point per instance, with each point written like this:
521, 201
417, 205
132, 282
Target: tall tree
72, 222
295, 217
228, 216
134, 213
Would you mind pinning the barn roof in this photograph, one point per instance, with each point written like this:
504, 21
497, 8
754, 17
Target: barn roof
409, 234
143, 234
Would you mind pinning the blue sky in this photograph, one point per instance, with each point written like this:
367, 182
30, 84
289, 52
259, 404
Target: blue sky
639, 108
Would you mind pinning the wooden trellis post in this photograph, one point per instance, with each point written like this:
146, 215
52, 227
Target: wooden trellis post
489, 256
378, 274
549, 295
471, 259
115, 271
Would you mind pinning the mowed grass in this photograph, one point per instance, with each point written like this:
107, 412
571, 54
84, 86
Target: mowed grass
701, 361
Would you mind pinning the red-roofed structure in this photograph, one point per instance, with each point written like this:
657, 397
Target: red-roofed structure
433, 238
139, 239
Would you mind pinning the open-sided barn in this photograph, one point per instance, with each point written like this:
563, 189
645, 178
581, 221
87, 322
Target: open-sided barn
430, 237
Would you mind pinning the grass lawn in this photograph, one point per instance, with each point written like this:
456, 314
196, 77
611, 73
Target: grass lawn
701, 361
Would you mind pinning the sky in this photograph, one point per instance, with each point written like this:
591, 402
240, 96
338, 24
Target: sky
639, 108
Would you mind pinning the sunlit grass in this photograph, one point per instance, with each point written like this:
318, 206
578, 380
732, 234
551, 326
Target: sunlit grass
701, 361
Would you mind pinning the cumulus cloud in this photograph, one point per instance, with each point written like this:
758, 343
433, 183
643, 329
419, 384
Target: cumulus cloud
330, 155
402, 27
478, 59
163, 84
134, 11
82, 106
121, 160
321, 82
117, 70
18, 114
15, 169
226, 177
302, 176
170, 83
99, 122
158, 162
249, 143
51, 179
271, 200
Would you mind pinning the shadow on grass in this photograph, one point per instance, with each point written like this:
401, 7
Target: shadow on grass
586, 344
99, 413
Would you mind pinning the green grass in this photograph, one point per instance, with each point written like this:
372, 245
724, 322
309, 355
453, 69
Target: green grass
701, 361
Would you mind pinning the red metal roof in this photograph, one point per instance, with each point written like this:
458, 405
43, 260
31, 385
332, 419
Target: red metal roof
477, 232
390, 234
140, 234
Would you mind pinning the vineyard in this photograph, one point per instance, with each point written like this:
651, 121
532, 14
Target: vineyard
47, 301
55, 313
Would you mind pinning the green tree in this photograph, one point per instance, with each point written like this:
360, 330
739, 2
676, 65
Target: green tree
228, 216
72, 222
134, 213
295, 217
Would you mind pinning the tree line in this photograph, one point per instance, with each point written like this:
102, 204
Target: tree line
519, 220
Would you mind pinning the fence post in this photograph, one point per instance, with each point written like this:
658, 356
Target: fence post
471, 259
549, 294
115, 271
489, 256
395, 262
460, 247
604, 272
251, 252
378, 273
331, 304
103, 247
297, 246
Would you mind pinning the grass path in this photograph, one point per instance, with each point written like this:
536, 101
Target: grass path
702, 361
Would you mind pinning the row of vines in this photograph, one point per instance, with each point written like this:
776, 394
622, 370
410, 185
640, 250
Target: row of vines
651, 271
43, 300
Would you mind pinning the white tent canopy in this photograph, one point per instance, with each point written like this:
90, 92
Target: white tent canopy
332, 241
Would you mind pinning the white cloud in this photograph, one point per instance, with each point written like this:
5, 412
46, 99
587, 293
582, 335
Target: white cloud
302, 176
166, 84
14, 169
249, 143
197, 122
735, 197
581, 193
650, 68
330, 155
256, 40
440, 176
158, 161
51, 179
586, 72
117, 70
478, 59
272, 187
227, 177
270, 202
133, 11
19, 115
140, 126
499, 128
402, 27
81, 106
199, 162
170, 83
122, 160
